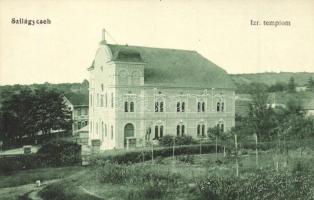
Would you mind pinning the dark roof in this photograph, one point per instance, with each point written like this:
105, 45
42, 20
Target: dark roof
172, 67
77, 98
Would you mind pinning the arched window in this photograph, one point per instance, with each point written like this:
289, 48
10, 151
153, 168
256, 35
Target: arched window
132, 106
178, 130
112, 99
156, 106
102, 87
183, 106
102, 131
178, 106
218, 106
161, 131
182, 130
161, 106
156, 132
198, 106
106, 100
203, 106
203, 130
106, 130
198, 130
112, 132
126, 106
222, 106
102, 100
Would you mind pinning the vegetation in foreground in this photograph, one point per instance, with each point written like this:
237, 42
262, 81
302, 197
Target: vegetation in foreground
194, 177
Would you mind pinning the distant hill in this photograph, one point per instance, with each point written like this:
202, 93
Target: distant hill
271, 78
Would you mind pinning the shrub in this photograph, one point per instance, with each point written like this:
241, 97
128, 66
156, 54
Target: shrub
131, 174
136, 156
61, 153
167, 140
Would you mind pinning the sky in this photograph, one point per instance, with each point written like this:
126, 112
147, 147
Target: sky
220, 30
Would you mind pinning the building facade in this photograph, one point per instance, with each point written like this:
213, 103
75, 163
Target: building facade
79, 110
139, 94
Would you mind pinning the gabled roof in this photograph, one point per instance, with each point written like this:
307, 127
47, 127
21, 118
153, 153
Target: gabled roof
173, 67
77, 98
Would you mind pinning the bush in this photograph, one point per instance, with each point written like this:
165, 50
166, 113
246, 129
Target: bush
61, 153
131, 174
136, 156
167, 140
270, 185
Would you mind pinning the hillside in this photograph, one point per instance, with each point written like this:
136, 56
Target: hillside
271, 78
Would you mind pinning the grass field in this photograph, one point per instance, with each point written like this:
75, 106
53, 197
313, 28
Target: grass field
165, 178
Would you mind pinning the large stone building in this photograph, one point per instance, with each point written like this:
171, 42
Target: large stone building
139, 94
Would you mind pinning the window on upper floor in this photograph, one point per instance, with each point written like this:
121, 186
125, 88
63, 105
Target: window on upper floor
203, 130
97, 101
220, 106
159, 106
198, 106
180, 106
112, 100
203, 107
106, 100
102, 87
131, 106
102, 100
102, 131
126, 106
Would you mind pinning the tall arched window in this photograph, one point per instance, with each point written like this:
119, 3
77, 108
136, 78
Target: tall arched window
161, 106
126, 106
203, 130
178, 106
218, 106
156, 106
203, 106
106, 100
132, 106
178, 130
161, 131
112, 132
102, 131
183, 106
222, 106
156, 132
182, 130
198, 130
106, 130
198, 106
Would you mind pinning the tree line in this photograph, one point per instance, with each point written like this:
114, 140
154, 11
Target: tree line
24, 112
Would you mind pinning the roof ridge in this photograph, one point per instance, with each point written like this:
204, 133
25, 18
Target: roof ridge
149, 47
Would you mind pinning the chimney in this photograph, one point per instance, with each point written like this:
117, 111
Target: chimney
103, 39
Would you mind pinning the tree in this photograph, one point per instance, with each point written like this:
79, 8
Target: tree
260, 113
25, 112
291, 85
51, 112
310, 83
214, 132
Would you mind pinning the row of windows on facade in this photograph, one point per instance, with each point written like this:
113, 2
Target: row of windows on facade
159, 130
104, 130
102, 100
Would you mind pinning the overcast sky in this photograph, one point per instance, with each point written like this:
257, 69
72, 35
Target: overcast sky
219, 30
